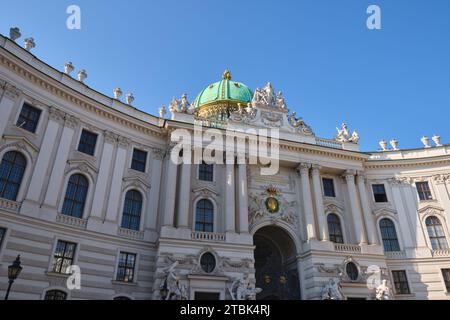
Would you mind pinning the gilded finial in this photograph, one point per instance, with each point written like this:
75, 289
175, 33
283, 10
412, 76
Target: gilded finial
227, 75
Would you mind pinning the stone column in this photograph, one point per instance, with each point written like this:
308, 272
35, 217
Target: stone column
307, 201
405, 226
320, 212
185, 195
441, 182
361, 237
155, 181
98, 205
171, 191
371, 231
115, 194
7, 100
230, 215
243, 198
56, 117
62, 154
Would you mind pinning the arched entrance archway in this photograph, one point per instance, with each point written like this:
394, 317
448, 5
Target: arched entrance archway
276, 265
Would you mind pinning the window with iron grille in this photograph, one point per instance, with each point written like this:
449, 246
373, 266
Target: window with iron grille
63, 256
87, 143
379, 193
389, 235
446, 275
131, 217
139, 160
12, 169
204, 216
28, 118
334, 228
125, 269
206, 172
55, 295
328, 187
400, 282
423, 188
436, 233
75, 198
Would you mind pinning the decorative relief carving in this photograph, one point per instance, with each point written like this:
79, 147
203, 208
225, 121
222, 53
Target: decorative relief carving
270, 119
11, 91
71, 121
56, 115
400, 181
441, 178
110, 137
123, 142
271, 205
157, 153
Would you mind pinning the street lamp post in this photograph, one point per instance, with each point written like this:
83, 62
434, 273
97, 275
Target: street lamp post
13, 272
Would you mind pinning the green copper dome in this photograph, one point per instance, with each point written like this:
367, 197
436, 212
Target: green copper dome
222, 96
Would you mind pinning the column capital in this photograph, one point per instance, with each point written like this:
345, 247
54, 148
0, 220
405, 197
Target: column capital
56, 115
303, 168
157, 153
123, 141
110, 137
316, 168
361, 176
71, 121
349, 175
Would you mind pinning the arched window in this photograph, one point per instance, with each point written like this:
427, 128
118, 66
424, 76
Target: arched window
76, 194
436, 233
334, 228
389, 235
131, 218
12, 169
55, 295
204, 216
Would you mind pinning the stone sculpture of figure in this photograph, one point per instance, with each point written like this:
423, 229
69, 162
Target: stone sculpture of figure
280, 101
382, 292
269, 97
332, 291
173, 106
172, 284
241, 289
344, 135
184, 104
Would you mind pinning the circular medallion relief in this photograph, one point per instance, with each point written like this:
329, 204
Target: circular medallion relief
272, 205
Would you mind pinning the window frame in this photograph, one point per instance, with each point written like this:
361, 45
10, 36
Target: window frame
145, 163
55, 290
394, 224
86, 200
213, 223
444, 232
131, 189
20, 184
374, 194
340, 227
446, 282
408, 286
333, 187
135, 269
29, 105
213, 173
3, 238
53, 259
83, 129
432, 197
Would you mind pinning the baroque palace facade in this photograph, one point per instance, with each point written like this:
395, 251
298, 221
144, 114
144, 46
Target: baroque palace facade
86, 180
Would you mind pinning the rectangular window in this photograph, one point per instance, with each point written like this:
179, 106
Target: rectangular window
328, 187
206, 172
28, 118
379, 193
139, 160
2, 235
63, 257
125, 269
400, 282
87, 143
423, 188
446, 275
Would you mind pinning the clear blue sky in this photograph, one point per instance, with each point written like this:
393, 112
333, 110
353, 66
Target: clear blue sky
394, 82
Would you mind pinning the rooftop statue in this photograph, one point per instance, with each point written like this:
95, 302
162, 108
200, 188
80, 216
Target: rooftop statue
344, 135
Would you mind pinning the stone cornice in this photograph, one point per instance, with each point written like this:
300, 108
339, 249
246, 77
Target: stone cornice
405, 163
69, 94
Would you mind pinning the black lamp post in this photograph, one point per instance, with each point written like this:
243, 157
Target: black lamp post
13, 272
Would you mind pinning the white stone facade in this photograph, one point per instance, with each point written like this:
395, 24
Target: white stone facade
166, 234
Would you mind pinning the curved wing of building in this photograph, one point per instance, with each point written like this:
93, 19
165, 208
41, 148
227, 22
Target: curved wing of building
230, 197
